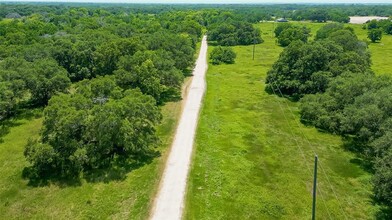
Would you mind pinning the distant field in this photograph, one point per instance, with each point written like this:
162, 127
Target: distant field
381, 51
252, 160
107, 196
364, 19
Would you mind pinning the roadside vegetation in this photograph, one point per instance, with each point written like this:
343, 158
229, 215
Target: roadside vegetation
86, 107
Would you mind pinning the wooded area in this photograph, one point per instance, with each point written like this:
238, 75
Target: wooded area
123, 67
102, 67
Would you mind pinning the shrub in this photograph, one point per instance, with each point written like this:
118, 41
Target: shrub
222, 55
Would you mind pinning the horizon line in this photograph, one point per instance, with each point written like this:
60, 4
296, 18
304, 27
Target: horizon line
194, 3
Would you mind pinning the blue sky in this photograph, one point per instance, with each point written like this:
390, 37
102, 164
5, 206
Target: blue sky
214, 1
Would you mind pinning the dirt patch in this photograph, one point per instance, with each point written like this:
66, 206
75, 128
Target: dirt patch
364, 19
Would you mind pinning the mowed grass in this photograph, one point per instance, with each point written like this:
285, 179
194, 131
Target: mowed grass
252, 159
381, 51
107, 196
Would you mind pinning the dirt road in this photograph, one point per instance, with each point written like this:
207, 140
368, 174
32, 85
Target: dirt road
169, 203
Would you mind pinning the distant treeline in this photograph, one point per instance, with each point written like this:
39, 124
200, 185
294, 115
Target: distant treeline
243, 12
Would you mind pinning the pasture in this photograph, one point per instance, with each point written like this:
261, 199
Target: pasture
254, 159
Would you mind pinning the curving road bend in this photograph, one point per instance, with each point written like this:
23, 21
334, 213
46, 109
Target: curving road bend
169, 202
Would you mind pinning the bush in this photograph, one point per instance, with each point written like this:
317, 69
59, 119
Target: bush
375, 35
234, 33
292, 33
222, 55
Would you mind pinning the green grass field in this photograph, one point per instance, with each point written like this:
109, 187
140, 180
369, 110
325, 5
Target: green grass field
107, 196
252, 159
381, 51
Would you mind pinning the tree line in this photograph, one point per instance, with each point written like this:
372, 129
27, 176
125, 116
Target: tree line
376, 28
101, 78
286, 33
249, 13
101, 75
226, 30
339, 93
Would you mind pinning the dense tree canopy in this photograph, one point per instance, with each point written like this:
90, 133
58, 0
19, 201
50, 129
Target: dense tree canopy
228, 32
123, 66
320, 14
287, 33
33, 82
42, 52
326, 30
88, 129
305, 68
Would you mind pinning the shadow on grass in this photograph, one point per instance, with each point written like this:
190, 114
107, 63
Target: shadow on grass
213, 43
50, 179
7, 124
116, 171
385, 213
362, 159
171, 95
363, 163
188, 72
119, 170
272, 90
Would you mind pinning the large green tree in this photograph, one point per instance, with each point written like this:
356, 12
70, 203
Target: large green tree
305, 68
47, 79
375, 35
231, 33
293, 33
92, 127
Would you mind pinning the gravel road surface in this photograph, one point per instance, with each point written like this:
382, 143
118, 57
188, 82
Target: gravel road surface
169, 202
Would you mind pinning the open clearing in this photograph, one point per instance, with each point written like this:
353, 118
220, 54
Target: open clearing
252, 159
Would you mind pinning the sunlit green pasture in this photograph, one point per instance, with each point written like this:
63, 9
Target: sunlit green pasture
252, 158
